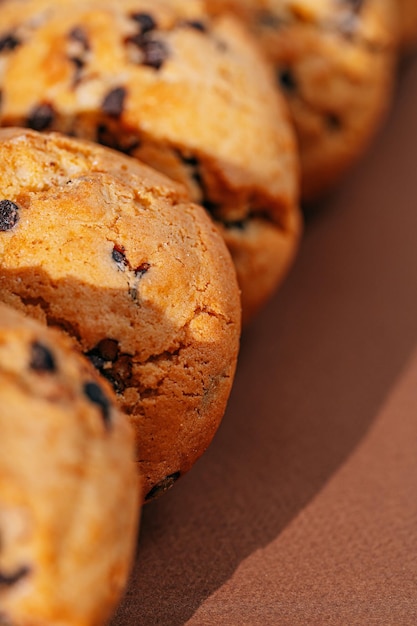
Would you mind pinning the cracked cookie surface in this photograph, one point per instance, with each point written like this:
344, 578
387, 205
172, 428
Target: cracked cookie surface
335, 62
190, 96
69, 503
115, 254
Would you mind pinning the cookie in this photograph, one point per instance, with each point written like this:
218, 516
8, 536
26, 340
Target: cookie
408, 24
68, 490
190, 96
335, 62
96, 243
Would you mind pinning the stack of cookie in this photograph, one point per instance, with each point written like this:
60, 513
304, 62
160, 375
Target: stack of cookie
218, 117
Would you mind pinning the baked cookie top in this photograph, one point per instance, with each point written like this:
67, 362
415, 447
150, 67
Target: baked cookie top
335, 62
114, 253
69, 502
190, 96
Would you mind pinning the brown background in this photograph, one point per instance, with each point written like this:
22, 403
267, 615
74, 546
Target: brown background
304, 509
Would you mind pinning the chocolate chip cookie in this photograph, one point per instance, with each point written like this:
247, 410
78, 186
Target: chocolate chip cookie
68, 489
335, 62
189, 95
103, 247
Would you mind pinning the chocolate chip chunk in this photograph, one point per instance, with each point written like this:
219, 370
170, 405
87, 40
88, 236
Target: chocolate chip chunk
269, 19
41, 117
113, 102
142, 269
163, 486
125, 144
196, 25
78, 34
96, 395
9, 215
118, 255
236, 224
333, 122
287, 79
9, 42
145, 20
107, 349
42, 359
8, 580
155, 53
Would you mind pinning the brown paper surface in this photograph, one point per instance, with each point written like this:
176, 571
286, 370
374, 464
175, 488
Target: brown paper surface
304, 509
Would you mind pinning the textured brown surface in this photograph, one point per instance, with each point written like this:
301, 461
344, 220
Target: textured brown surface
304, 509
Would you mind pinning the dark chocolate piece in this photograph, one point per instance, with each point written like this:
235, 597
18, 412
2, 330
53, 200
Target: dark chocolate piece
9, 215
163, 486
95, 394
287, 79
145, 20
8, 580
155, 53
113, 102
9, 42
118, 255
42, 359
78, 34
41, 117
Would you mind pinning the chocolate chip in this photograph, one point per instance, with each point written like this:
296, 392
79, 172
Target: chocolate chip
78, 34
125, 144
9, 42
333, 122
287, 80
8, 580
108, 349
142, 269
155, 53
113, 102
236, 224
145, 21
196, 25
163, 486
118, 255
9, 215
96, 360
96, 395
269, 19
41, 117
42, 359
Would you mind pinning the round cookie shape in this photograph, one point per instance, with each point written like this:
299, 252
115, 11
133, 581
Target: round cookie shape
69, 502
335, 62
407, 24
189, 95
116, 255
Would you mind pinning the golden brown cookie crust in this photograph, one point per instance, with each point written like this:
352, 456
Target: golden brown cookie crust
115, 254
335, 62
69, 487
190, 96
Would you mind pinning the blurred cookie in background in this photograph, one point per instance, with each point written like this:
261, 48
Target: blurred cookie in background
335, 62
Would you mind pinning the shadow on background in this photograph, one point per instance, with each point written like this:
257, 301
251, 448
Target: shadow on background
314, 368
